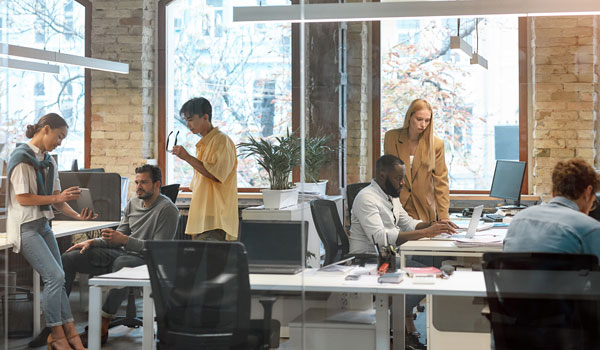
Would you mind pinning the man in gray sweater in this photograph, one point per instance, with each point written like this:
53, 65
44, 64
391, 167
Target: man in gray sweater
150, 216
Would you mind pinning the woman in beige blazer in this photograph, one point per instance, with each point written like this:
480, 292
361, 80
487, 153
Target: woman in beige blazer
425, 192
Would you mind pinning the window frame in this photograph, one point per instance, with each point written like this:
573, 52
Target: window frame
162, 89
523, 103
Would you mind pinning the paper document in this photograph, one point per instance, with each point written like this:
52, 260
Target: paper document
131, 273
482, 241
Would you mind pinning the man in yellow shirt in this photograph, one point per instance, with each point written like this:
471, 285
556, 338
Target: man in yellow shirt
213, 211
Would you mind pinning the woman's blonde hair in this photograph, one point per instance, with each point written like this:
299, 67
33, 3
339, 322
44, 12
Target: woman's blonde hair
427, 150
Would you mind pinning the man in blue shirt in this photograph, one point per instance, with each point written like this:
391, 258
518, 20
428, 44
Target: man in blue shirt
563, 224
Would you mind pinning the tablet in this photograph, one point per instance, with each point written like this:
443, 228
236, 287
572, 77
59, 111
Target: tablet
85, 200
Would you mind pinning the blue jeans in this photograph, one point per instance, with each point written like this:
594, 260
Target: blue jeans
40, 249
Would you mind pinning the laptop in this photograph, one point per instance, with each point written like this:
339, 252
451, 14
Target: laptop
471, 229
274, 247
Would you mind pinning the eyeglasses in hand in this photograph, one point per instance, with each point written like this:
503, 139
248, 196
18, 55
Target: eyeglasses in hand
169, 137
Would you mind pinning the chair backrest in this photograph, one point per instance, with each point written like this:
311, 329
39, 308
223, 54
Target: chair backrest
543, 300
201, 293
330, 230
351, 192
170, 191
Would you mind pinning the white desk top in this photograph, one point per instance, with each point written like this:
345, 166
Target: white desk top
427, 244
461, 283
67, 228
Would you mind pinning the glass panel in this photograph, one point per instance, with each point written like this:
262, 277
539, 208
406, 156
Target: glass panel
3, 191
244, 70
55, 25
477, 120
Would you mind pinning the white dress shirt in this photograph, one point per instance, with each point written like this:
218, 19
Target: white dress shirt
23, 179
376, 215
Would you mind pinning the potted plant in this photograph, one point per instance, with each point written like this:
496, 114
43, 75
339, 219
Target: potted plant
278, 157
316, 153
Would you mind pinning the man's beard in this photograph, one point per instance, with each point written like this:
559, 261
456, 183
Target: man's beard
146, 195
390, 190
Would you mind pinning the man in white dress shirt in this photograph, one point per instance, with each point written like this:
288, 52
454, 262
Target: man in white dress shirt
377, 215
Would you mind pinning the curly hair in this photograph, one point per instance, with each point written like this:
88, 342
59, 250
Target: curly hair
570, 178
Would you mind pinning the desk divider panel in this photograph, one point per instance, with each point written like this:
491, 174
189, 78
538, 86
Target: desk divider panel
104, 187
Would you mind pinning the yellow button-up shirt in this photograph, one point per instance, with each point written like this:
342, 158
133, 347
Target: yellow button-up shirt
215, 204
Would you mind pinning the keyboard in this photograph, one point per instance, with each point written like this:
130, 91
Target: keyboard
495, 217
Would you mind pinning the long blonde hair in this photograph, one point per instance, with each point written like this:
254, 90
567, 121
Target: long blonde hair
427, 152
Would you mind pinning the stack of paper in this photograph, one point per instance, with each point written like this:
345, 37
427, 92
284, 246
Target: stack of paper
481, 241
336, 269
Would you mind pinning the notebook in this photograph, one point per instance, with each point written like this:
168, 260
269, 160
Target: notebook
274, 247
470, 229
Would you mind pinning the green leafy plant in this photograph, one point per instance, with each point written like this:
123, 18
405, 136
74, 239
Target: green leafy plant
316, 153
277, 156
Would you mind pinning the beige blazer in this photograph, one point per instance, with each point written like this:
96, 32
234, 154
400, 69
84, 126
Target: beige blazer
424, 191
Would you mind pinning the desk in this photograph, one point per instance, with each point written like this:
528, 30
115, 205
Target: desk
431, 247
466, 283
63, 229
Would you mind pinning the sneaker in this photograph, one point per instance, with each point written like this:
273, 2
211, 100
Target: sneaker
412, 343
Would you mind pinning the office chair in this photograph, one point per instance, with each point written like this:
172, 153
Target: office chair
351, 192
543, 300
201, 293
170, 191
332, 234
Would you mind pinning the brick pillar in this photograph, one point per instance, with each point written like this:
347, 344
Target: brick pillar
123, 105
565, 93
359, 121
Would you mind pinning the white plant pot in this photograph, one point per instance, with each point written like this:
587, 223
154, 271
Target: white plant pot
318, 187
279, 199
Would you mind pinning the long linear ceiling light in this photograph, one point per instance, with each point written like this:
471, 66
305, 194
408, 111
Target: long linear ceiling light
372, 11
28, 65
14, 51
459, 45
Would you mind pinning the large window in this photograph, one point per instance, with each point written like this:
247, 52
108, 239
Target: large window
55, 25
244, 70
475, 113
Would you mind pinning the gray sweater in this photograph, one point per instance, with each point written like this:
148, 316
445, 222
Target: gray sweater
157, 222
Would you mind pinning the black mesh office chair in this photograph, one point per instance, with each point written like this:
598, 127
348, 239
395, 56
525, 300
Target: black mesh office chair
331, 232
201, 293
351, 192
170, 191
543, 300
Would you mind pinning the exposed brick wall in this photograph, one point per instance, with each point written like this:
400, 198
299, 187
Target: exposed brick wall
123, 105
359, 74
565, 93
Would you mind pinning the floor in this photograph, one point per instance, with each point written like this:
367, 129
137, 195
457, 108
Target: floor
124, 338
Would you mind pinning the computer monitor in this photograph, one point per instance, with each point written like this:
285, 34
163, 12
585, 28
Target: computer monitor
507, 182
273, 242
